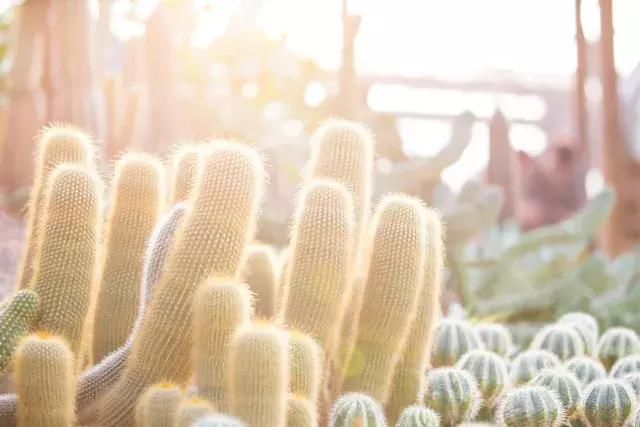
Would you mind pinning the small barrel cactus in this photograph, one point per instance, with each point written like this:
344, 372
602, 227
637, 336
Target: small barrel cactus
452, 393
190, 410
490, 372
561, 340
529, 363
301, 412
607, 403
218, 421
532, 406
625, 365
616, 343
635, 418
357, 409
418, 416
633, 381
566, 387
583, 318
587, 335
451, 340
495, 337
586, 369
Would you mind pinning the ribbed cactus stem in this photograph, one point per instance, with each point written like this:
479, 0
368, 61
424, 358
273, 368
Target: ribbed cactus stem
357, 409
566, 387
158, 406
495, 337
261, 273
452, 339
301, 412
418, 416
534, 406
185, 165
607, 402
218, 421
586, 369
529, 363
305, 366
490, 372
453, 394
616, 343
192, 409
561, 340
15, 320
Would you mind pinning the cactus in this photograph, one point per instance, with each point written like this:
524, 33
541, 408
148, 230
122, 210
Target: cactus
185, 165
394, 281
44, 380
607, 403
190, 410
57, 144
158, 406
218, 421
584, 319
218, 225
452, 339
495, 337
616, 343
219, 310
136, 204
633, 381
625, 365
635, 418
566, 387
563, 341
529, 363
452, 393
301, 412
490, 372
357, 409
586, 334
258, 375
586, 369
15, 319
531, 406
66, 263
418, 416
305, 369
262, 276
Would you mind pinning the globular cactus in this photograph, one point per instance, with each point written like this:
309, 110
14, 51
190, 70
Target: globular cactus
585, 332
184, 168
44, 381
158, 406
453, 394
566, 387
586, 369
301, 412
495, 337
625, 365
563, 341
529, 363
219, 310
490, 372
136, 203
67, 260
452, 339
218, 421
218, 225
583, 318
15, 319
607, 403
633, 381
394, 281
190, 410
261, 273
634, 420
418, 416
616, 343
531, 406
357, 409
305, 366
57, 144
258, 375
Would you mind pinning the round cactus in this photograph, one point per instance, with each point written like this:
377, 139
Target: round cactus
418, 416
566, 387
452, 393
495, 337
635, 418
529, 363
561, 340
532, 406
586, 369
616, 343
218, 421
490, 372
587, 335
583, 318
633, 381
451, 340
357, 409
607, 402
625, 365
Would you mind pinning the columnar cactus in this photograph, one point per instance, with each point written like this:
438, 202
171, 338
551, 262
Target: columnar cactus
583, 318
532, 406
185, 165
261, 274
561, 340
625, 365
15, 320
357, 409
418, 416
529, 363
495, 337
453, 394
190, 410
136, 203
490, 372
158, 406
44, 381
394, 281
305, 366
258, 375
219, 310
452, 339
566, 387
586, 369
301, 412
607, 402
218, 421
616, 343
218, 225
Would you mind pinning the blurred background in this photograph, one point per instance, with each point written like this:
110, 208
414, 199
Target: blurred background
519, 120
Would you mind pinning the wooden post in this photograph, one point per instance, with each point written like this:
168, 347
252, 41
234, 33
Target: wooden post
582, 132
500, 170
348, 99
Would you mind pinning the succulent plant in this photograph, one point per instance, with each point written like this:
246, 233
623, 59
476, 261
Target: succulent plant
490, 372
453, 394
616, 343
607, 402
356, 409
451, 340
586, 369
633, 381
218, 421
531, 406
566, 387
561, 340
418, 416
625, 365
495, 337
529, 363
584, 319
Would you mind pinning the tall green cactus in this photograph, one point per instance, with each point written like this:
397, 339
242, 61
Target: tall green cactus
185, 165
136, 203
218, 225
261, 273
15, 320
190, 410
158, 406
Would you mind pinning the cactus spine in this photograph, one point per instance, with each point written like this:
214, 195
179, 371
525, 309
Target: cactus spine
301, 412
15, 320
616, 343
305, 366
357, 409
533, 406
158, 406
529, 363
262, 276
490, 372
185, 166
258, 375
586, 369
453, 394
452, 339
418, 416
607, 403
190, 410
563, 341
625, 365
495, 337
566, 387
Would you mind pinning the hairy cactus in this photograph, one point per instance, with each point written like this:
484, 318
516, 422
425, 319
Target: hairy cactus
563, 341
625, 365
219, 310
532, 406
529, 363
258, 375
261, 274
582, 318
301, 412
44, 380
218, 421
357, 409
607, 403
490, 372
633, 381
305, 366
452, 339
394, 281
158, 406
634, 420
586, 334
217, 227
586, 369
136, 203
452, 393
495, 337
15, 319
57, 144
185, 165
418, 416
190, 410
616, 343
566, 387
66, 263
